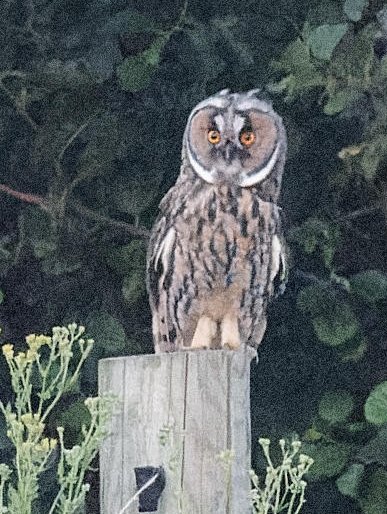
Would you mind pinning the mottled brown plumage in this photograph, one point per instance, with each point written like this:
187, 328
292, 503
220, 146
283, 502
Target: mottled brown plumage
216, 246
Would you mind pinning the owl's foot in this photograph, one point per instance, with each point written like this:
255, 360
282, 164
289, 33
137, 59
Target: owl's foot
204, 333
229, 337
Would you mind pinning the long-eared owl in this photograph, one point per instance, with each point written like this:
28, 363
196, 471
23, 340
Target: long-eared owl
216, 247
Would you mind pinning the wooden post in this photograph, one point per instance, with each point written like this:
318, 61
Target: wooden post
188, 412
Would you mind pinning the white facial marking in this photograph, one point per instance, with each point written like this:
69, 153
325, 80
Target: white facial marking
219, 120
238, 124
206, 175
219, 102
253, 103
261, 174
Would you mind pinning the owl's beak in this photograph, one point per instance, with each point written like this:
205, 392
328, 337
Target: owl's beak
229, 151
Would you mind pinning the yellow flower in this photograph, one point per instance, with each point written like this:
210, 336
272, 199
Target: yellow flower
31, 355
42, 340
20, 359
27, 418
36, 341
44, 445
8, 351
30, 339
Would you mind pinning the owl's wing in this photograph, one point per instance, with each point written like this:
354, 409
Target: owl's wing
160, 263
280, 253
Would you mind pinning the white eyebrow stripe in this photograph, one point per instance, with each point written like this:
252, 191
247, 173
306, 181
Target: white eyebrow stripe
248, 181
238, 124
216, 102
253, 103
219, 120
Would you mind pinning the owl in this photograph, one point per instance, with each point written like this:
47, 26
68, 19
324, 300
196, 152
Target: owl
216, 248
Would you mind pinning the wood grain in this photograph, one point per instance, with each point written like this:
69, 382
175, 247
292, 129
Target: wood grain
182, 411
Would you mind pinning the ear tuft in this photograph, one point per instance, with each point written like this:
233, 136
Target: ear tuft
254, 92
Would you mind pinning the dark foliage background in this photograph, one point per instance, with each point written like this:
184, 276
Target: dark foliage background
94, 96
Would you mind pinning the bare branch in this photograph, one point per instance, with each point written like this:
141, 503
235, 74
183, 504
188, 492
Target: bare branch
24, 197
359, 212
80, 209
74, 136
100, 218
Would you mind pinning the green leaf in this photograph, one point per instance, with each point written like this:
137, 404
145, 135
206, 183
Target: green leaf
354, 8
349, 482
131, 196
296, 55
374, 154
133, 287
336, 406
337, 329
72, 420
330, 458
339, 100
1, 296
60, 265
326, 11
355, 349
375, 451
371, 160
324, 39
316, 234
375, 498
370, 285
108, 333
302, 73
129, 21
124, 259
136, 72
333, 320
317, 299
39, 231
375, 408
353, 60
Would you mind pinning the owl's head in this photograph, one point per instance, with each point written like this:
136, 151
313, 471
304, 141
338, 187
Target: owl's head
235, 138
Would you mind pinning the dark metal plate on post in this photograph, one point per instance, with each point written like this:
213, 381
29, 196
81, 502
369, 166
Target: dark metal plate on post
149, 498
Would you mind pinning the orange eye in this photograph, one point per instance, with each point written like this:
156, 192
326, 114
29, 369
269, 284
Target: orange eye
247, 138
213, 136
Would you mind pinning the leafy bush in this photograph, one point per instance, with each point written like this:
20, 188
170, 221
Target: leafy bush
94, 99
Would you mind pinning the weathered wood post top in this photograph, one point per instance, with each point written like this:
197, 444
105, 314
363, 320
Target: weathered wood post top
188, 412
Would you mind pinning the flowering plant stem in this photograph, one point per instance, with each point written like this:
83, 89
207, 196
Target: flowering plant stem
25, 427
284, 487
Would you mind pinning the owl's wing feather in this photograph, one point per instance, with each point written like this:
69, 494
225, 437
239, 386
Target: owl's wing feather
160, 267
280, 268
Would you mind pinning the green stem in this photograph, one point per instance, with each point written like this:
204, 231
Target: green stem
64, 371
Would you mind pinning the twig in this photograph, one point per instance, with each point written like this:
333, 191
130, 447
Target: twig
358, 213
15, 73
74, 136
141, 490
80, 209
123, 225
25, 197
